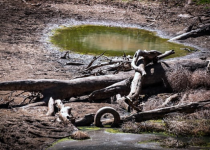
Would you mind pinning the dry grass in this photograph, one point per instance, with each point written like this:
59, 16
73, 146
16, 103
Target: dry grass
174, 143
181, 79
200, 78
199, 95
153, 103
147, 126
196, 124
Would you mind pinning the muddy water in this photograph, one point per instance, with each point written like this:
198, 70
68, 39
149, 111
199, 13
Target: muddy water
95, 39
102, 140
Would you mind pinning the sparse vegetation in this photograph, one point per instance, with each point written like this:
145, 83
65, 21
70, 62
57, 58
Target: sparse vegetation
181, 79
196, 124
202, 1
147, 126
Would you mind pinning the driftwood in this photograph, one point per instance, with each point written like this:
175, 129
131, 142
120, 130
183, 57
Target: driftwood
63, 89
169, 99
122, 103
121, 87
94, 59
160, 113
142, 116
205, 30
64, 112
140, 60
51, 109
86, 121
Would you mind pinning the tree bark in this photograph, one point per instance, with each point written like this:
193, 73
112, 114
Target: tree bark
205, 30
160, 113
51, 109
121, 87
63, 89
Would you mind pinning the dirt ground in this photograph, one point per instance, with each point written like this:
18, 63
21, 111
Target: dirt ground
24, 55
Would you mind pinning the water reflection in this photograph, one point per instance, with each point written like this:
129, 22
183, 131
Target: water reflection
92, 39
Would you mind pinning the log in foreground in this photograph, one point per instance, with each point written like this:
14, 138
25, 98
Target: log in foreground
157, 74
139, 117
160, 113
61, 89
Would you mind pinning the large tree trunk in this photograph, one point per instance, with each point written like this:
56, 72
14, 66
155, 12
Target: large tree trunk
156, 79
156, 75
63, 88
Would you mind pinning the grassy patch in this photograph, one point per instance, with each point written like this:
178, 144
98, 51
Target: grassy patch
90, 128
113, 130
202, 2
197, 124
61, 140
153, 126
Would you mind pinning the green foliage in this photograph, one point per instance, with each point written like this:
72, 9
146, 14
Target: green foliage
86, 128
202, 1
113, 130
149, 141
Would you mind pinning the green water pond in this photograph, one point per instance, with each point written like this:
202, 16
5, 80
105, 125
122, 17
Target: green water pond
95, 39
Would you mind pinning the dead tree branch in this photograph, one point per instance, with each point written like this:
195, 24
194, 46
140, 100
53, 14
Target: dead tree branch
160, 113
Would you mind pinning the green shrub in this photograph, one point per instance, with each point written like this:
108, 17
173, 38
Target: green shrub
202, 1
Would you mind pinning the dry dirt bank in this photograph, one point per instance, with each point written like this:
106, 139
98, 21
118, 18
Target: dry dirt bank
24, 56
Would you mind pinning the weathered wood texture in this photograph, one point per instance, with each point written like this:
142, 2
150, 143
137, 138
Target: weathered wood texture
156, 74
160, 113
64, 89
205, 30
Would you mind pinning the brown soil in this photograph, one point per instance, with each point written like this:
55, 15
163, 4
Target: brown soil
24, 55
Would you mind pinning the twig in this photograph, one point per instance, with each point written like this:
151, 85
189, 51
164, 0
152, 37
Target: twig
94, 59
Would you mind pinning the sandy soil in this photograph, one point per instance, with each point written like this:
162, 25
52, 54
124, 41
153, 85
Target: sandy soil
24, 55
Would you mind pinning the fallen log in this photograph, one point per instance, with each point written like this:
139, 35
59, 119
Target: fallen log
205, 30
157, 74
121, 87
140, 60
86, 121
160, 113
61, 89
